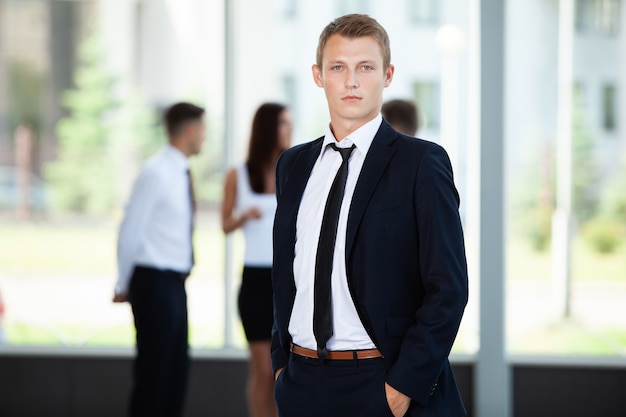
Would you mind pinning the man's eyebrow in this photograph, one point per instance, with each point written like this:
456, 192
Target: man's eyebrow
339, 61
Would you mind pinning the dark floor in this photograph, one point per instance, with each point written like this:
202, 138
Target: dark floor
97, 385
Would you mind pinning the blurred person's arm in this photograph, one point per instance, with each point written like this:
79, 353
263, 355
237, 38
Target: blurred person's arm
143, 199
230, 220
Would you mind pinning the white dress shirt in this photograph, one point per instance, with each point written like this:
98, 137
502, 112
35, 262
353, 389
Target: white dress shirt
257, 232
156, 230
348, 331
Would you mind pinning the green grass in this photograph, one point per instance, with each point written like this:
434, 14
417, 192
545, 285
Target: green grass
87, 248
524, 263
31, 249
588, 265
114, 336
569, 338
64, 334
26, 334
61, 248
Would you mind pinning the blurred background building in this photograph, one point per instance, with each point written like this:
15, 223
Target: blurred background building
164, 50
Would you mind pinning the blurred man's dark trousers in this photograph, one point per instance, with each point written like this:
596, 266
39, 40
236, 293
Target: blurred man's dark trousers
159, 305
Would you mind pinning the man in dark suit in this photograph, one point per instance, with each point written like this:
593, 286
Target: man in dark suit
364, 320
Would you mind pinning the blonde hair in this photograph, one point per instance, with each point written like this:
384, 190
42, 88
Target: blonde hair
355, 26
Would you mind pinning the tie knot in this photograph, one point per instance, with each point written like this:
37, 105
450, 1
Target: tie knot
344, 152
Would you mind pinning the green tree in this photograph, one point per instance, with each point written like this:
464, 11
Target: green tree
533, 198
535, 195
613, 202
607, 230
585, 176
136, 135
82, 177
25, 86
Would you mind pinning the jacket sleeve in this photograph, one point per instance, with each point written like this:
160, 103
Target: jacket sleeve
279, 355
426, 344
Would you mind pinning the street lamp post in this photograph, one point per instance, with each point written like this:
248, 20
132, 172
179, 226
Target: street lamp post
562, 219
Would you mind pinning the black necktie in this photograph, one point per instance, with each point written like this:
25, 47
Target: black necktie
192, 201
322, 308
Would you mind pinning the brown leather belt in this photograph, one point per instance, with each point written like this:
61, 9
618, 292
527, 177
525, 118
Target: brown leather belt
338, 355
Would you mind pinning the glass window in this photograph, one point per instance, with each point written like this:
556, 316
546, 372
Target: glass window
44, 262
352, 6
57, 244
427, 95
290, 91
601, 17
424, 11
289, 8
567, 277
609, 107
62, 103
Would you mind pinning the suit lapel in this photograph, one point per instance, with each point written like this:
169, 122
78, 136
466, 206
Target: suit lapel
291, 195
296, 183
376, 161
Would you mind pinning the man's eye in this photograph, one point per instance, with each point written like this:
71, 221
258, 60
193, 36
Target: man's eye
336, 67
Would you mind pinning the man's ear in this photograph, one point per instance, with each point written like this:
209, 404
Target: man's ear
190, 129
317, 75
389, 75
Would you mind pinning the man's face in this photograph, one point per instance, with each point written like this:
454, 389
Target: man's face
353, 79
196, 136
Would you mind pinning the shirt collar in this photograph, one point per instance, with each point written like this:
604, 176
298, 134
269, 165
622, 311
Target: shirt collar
362, 137
177, 157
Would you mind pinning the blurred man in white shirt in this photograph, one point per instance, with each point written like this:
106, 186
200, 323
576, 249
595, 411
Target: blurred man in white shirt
155, 256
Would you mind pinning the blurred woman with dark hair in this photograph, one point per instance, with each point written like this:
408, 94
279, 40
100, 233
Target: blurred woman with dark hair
249, 203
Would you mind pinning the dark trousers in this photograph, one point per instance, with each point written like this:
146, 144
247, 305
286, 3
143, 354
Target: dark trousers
312, 388
159, 305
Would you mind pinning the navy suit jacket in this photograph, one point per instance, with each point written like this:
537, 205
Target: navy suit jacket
405, 262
